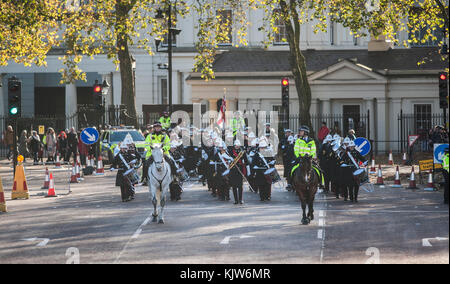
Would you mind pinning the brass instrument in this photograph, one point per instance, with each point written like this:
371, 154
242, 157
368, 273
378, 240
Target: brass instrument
236, 160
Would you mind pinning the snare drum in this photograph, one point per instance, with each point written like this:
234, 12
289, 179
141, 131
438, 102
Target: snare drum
361, 176
132, 176
272, 176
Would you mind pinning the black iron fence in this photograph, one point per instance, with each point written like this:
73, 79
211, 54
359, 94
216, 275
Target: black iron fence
422, 125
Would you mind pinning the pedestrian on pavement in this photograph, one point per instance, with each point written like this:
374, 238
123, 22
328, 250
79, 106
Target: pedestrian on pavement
82, 150
35, 145
8, 140
72, 145
50, 145
61, 145
323, 132
23, 145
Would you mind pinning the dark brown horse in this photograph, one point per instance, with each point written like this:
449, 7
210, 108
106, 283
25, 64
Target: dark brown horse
305, 181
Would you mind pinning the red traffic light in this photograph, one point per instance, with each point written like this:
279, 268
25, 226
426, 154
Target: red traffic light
285, 82
443, 77
97, 88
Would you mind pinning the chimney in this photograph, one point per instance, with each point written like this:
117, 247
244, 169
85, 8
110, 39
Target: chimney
379, 43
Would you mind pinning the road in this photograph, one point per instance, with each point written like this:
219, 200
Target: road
92, 225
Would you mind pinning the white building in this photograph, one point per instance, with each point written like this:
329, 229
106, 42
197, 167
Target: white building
347, 75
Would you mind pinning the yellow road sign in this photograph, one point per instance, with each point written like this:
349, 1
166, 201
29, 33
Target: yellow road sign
427, 165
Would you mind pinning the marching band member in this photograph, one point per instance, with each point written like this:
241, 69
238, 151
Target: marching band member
175, 186
222, 160
284, 147
324, 157
351, 186
259, 166
121, 162
238, 172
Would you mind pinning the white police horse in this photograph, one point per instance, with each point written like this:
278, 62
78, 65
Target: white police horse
159, 179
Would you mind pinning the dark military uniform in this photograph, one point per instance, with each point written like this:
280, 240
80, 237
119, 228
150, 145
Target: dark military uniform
350, 184
236, 178
126, 188
259, 167
325, 163
221, 182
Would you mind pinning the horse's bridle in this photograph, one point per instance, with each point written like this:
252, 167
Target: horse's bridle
159, 181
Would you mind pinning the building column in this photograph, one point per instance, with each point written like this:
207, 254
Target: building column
326, 106
213, 104
71, 99
382, 123
314, 107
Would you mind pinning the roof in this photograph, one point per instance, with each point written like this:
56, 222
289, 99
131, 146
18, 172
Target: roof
258, 60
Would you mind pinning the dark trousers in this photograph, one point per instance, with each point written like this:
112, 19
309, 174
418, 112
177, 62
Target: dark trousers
126, 190
237, 193
265, 191
69, 153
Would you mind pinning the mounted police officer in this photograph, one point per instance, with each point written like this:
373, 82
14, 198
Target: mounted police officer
158, 137
307, 146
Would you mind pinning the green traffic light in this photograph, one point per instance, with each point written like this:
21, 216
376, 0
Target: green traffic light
14, 110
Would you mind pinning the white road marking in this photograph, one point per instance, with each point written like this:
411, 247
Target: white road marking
322, 213
134, 236
137, 233
321, 222
320, 234
43, 242
227, 239
426, 242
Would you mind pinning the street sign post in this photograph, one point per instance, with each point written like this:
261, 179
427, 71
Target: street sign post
412, 139
89, 136
363, 145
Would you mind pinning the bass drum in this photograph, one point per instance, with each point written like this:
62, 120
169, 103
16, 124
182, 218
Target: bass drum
132, 176
361, 177
272, 176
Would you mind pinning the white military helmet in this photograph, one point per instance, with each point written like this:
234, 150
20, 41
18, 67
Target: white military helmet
237, 143
336, 137
218, 143
329, 138
123, 145
255, 142
291, 139
251, 135
347, 140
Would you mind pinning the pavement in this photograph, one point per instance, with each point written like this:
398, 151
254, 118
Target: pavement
92, 225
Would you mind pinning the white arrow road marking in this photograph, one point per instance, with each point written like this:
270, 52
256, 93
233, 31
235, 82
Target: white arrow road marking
227, 239
426, 242
43, 243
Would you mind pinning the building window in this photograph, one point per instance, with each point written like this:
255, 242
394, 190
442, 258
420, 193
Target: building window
226, 18
280, 32
422, 117
163, 90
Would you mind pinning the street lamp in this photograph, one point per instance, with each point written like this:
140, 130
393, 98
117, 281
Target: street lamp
171, 32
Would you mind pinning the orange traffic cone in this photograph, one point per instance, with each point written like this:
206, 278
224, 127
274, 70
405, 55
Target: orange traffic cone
391, 159
430, 184
20, 187
380, 176
404, 159
373, 170
2, 198
51, 190
73, 177
58, 161
47, 180
412, 180
77, 170
397, 182
100, 170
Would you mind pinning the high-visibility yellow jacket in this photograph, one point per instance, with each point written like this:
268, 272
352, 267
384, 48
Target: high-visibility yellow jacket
445, 163
305, 146
165, 122
152, 139
236, 124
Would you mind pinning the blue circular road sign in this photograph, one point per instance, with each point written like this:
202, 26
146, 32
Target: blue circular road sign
363, 145
439, 153
89, 136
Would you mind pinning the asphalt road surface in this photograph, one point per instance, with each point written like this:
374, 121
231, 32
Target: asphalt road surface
92, 225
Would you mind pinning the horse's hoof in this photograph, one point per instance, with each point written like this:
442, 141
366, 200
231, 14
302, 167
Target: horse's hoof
311, 217
305, 221
154, 218
161, 221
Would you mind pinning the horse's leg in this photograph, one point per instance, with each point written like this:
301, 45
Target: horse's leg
154, 200
162, 203
303, 203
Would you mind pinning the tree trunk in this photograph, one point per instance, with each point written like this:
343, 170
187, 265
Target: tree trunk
297, 62
128, 97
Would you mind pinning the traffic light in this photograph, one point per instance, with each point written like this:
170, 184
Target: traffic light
443, 90
285, 92
97, 92
14, 97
